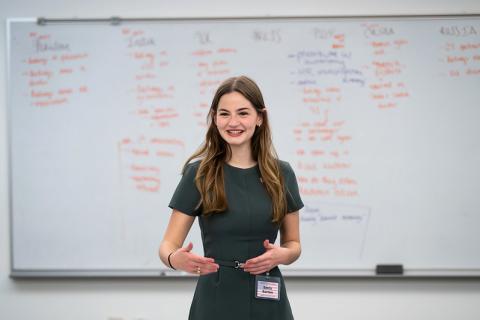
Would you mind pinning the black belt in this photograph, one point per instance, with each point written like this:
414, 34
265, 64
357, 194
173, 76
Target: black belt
232, 264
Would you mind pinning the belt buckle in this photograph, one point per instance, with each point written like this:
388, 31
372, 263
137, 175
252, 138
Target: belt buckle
238, 264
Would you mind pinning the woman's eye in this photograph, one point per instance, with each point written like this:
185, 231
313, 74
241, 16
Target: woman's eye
243, 113
223, 114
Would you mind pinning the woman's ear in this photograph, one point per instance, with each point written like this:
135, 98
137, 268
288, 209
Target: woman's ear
260, 117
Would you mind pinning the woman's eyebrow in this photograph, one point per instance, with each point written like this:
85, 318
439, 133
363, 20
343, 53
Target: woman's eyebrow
237, 110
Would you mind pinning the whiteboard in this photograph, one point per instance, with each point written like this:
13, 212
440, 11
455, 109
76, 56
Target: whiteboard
378, 116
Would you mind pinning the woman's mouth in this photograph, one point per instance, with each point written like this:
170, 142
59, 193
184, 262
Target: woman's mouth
234, 133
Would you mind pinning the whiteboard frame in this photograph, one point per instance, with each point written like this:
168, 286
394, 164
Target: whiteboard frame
168, 273
310, 273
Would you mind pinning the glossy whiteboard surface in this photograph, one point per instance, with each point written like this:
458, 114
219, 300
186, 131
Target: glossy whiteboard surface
379, 117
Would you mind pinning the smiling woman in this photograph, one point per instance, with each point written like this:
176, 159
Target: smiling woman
243, 196
236, 120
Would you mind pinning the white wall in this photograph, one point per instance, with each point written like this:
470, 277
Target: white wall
154, 299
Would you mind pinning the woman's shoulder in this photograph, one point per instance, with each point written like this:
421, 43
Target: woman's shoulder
191, 167
284, 165
194, 164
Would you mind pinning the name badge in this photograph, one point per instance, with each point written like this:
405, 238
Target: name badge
267, 287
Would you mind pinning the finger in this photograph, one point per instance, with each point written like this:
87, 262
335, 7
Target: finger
210, 268
258, 268
213, 266
194, 265
255, 261
202, 260
189, 247
266, 243
208, 265
203, 270
252, 261
206, 259
270, 246
197, 271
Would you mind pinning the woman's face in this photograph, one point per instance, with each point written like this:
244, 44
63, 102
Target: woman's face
236, 119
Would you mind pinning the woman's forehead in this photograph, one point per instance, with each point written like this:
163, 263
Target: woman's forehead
234, 101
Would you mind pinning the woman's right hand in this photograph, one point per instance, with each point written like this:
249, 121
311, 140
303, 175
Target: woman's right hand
184, 259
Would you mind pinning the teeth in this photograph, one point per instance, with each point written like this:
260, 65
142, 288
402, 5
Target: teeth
234, 131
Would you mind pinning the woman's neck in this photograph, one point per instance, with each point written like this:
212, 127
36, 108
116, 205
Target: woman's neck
241, 157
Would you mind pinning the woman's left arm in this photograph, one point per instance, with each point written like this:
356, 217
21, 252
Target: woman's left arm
290, 237
288, 251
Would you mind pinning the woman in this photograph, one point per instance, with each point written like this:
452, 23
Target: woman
243, 195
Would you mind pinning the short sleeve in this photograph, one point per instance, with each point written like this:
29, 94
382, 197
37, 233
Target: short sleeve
294, 201
186, 196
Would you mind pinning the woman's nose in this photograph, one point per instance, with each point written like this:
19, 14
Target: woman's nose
233, 121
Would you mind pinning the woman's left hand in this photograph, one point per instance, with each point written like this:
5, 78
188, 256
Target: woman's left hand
267, 261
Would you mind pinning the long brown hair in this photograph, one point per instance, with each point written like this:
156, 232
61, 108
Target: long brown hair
215, 151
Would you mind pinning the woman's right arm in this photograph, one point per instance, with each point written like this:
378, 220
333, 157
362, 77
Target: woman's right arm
182, 258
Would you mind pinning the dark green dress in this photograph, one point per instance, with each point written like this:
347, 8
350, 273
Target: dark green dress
236, 234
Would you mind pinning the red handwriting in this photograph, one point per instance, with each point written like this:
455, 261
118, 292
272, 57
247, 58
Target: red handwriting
387, 89
50, 71
321, 124
212, 66
461, 58
146, 183
151, 95
51, 102
388, 93
71, 57
325, 186
141, 160
201, 53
